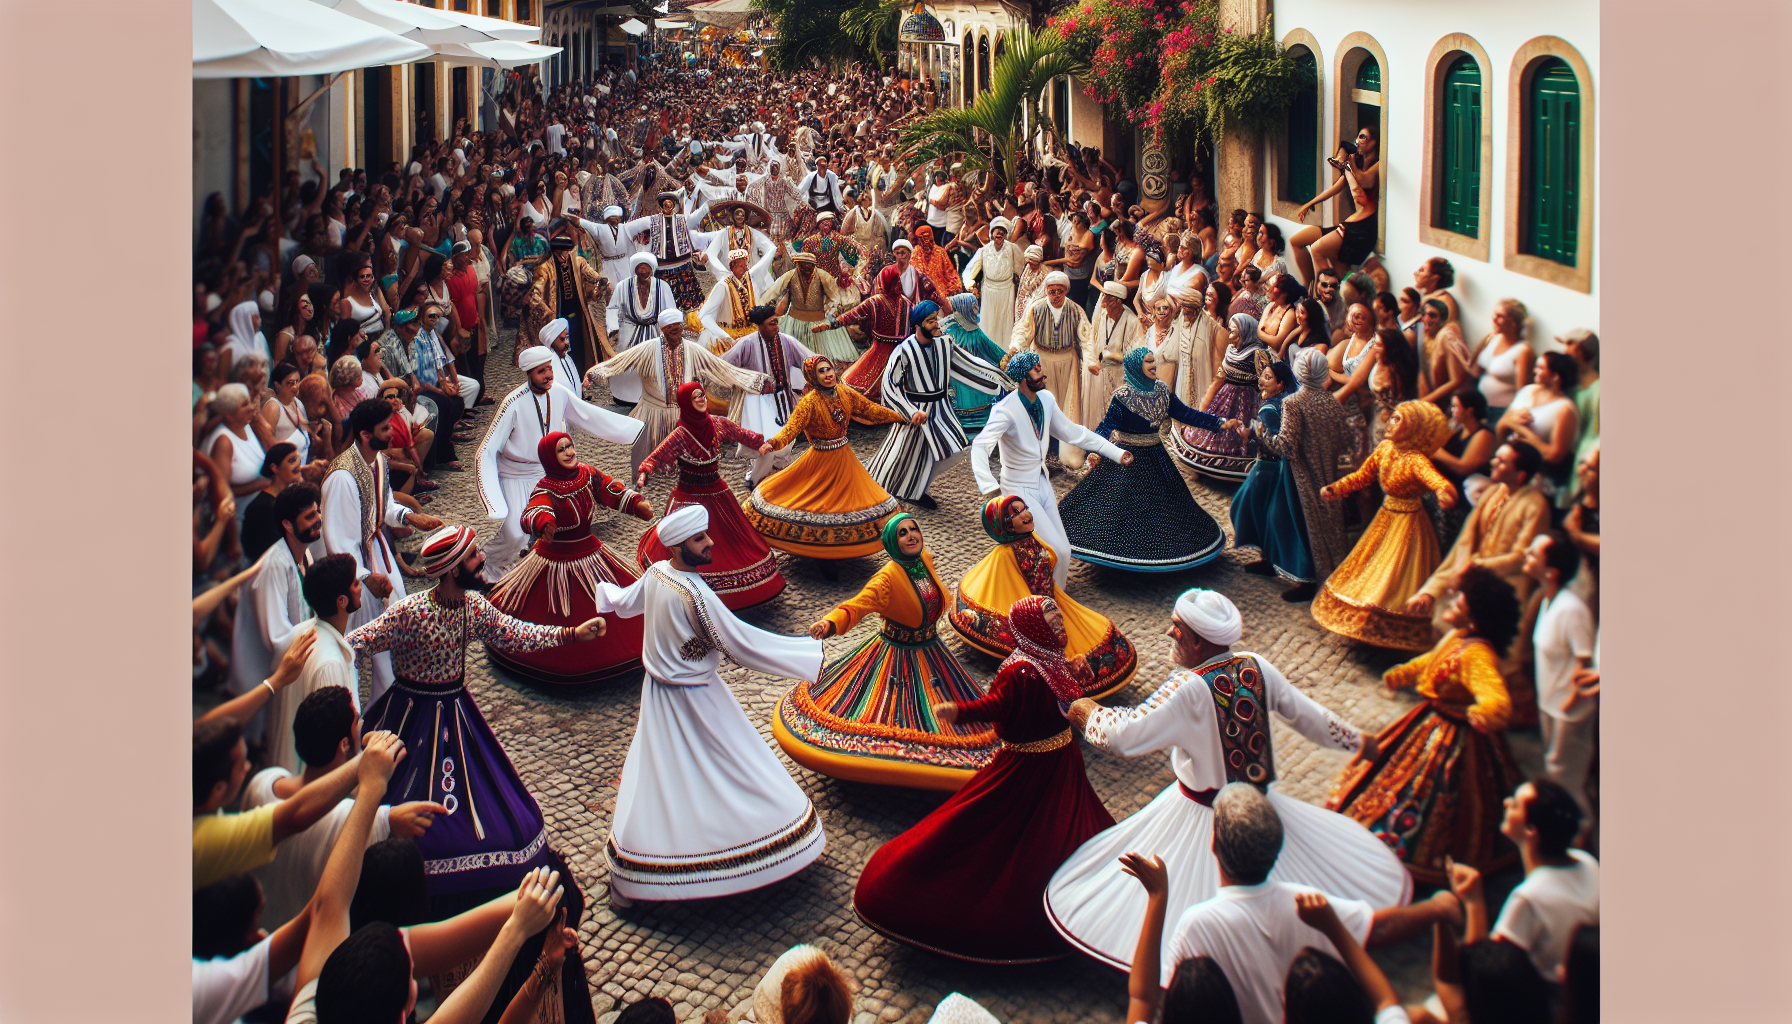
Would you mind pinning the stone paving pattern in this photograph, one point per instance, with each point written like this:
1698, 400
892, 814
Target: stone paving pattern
569, 748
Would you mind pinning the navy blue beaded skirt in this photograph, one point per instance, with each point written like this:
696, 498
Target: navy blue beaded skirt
1267, 515
1139, 517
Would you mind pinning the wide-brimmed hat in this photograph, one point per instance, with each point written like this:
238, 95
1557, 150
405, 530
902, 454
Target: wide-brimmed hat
723, 212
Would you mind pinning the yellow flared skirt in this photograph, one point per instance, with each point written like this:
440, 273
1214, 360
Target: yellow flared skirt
1365, 594
980, 615
823, 505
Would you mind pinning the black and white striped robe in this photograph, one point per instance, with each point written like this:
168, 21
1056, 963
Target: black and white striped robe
919, 378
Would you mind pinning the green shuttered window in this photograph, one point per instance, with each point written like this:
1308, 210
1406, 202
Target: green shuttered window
1301, 182
1459, 201
1552, 164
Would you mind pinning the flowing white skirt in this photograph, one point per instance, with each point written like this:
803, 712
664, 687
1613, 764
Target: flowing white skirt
705, 808
1097, 906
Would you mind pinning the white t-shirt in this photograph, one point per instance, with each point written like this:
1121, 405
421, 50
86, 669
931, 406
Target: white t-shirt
438, 184
304, 1004
1541, 914
291, 878
1564, 633
1253, 932
554, 133
225, 989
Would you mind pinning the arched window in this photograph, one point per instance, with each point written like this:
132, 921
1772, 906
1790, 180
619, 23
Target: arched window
1551, 187
1549, 165
1361, 74
1459, 173
970, 77
1300, 182
982, 64
1061, 107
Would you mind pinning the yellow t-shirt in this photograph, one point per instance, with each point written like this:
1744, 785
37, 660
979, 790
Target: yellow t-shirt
224, 844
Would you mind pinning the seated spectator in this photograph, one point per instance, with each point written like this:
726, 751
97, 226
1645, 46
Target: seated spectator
346, 382
802, 987
327, 438
1496, 534
1447, 369
234, 447
1543, 415
283, 413
1581, 524
1560, 891
326, 733
1502, 359
1251, 927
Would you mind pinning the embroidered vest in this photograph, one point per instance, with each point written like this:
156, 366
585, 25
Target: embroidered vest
1240, 699
1055, 335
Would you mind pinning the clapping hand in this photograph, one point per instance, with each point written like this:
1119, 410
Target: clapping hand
1151, 873
1315, 911
293, 661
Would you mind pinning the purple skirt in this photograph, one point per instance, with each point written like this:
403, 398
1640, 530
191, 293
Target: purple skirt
1222, 453
493, 832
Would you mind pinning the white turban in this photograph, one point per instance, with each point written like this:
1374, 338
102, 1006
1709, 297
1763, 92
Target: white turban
1114, 288
532, 356
1057, 277
682, 524
1209, 613
669, 317
582, 177
553, 330
738, 254
1035, 252
612, 211
999, 222
960, 1009
639, 258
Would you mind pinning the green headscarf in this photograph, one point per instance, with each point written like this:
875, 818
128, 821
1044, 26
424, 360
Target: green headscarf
912, 564
1134, 363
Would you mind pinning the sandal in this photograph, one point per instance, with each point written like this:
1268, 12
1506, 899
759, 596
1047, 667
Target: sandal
425, 486
423, 499
452, 467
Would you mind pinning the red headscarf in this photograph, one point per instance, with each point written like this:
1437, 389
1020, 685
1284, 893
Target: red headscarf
1035, 641
924, 240
696, 423
889, 281
544, 450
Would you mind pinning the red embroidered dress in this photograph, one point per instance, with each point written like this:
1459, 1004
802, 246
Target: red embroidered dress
743, 571
885, 318
556, 582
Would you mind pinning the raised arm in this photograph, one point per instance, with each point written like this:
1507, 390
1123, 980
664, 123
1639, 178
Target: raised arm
372, 769
1307, 716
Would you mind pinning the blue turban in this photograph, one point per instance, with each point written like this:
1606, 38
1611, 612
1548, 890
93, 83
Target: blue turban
922, 311
964, 307
1020, 364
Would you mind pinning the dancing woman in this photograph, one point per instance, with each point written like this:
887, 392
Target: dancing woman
870, 717
741, 569
556, 582
968, 881
1141, 516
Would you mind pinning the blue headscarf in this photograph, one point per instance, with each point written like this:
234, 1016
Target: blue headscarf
1135, 369
965, 309
1020, 364
922, 311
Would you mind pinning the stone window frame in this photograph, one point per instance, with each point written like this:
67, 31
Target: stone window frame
1278, 157
1524, 64
1437, 66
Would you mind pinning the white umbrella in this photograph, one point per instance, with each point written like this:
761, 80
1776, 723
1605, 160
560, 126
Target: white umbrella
499, 53
497, 28
633, 27
282, 38
413, 21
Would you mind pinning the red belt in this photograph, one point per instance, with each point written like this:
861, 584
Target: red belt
1204, 797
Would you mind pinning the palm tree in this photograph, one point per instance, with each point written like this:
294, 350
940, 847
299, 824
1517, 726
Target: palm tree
824, 31
993, 132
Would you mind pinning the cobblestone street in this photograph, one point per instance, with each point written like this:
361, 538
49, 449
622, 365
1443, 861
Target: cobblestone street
704, 955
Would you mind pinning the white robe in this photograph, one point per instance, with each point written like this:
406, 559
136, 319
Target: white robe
342, 536
1001, 269
1097, 906
1010, 430
719, 304
615, 245
759, 257
265, 623
331, 663
510, 465
702, 794
636, 322
767, 414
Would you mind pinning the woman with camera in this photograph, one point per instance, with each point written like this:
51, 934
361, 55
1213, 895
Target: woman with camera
1351, 243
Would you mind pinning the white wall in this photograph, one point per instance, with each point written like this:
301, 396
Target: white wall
1407, 30
214, 147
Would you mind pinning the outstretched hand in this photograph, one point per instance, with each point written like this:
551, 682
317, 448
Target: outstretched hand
1151, 873
821, 630
589, 630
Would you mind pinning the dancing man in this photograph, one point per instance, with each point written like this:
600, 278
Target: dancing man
704, 808
1022, 425
509, 464
917, 383
637, 306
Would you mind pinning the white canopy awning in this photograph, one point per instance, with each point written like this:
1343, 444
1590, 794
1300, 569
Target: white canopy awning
499, 53
633, 27
282, 38
430, 26
722, 13
670, 25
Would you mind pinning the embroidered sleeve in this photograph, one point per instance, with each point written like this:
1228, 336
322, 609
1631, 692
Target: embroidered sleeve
860, 407
539, 512
1284, 438
858, 313
1492, 709
806, 407
873, 599
998, 703
383, 633
1433, 480
1403, 676
730, 432
1307, 716
665, 456
500, 630
1190, 415
613, 493
1368, 472
1113, 420
1132, 731
1533, 519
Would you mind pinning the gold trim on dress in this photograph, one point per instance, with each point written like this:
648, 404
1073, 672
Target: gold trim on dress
1044, 746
